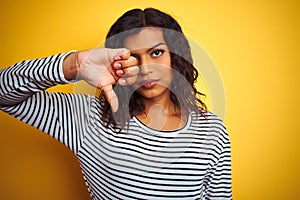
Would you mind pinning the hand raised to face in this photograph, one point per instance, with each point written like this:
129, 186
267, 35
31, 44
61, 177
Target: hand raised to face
102, 68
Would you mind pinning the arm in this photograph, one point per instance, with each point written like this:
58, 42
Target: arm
22, 95
63, 116
217, 183
99, 67
25, 78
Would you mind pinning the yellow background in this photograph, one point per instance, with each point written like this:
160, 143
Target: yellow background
254, 44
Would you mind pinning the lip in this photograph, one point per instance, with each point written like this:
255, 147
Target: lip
148, 84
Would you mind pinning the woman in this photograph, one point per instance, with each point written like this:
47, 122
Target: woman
149, 135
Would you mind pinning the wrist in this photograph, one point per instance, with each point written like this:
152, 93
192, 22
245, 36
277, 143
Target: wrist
71, 66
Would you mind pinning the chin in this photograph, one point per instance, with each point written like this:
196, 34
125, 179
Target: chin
153, 93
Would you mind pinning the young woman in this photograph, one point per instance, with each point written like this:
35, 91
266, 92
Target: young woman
148, 135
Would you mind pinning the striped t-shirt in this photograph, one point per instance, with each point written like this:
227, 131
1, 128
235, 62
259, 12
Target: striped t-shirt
192, 162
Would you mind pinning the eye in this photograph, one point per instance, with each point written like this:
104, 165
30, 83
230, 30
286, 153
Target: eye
157, 52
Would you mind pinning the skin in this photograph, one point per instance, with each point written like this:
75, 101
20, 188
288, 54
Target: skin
154, 79
144, 63
98, 68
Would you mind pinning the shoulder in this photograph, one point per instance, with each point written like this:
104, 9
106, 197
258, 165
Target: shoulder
98, 110
207, 118
210, 124
98, 103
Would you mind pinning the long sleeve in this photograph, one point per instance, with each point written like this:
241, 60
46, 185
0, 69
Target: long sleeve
217, 183
25, 78
22, 95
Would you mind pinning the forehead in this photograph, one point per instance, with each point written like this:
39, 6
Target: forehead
146, 38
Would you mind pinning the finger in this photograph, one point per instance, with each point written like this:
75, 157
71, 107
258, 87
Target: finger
127, 80
122, 54
130, 71
121, 64
111, 97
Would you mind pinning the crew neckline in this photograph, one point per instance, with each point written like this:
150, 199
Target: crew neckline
165, 132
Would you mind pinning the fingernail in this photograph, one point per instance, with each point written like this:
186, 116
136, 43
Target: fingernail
117, 65
120, 72
122, 81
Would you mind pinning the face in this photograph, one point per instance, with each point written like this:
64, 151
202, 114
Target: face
152, 53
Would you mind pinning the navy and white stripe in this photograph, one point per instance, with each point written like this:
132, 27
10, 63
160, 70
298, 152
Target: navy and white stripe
193, 162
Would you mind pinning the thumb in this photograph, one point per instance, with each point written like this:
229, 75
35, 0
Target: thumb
111, 97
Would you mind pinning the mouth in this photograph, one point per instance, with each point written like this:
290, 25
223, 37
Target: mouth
148, 84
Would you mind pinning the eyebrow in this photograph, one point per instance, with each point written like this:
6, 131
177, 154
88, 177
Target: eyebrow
158, 44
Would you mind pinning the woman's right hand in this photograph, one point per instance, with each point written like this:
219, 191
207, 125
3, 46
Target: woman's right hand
102, 68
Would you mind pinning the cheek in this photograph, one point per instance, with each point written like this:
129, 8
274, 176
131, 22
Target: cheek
170, 76
166, 60
165, 65
167, 75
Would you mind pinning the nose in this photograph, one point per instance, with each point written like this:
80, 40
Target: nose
145, 67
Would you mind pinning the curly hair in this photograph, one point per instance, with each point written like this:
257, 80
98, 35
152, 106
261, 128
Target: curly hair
186, 98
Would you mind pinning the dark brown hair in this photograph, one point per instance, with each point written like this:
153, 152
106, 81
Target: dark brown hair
184, 96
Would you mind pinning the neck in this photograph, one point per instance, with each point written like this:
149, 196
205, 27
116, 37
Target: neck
162, 114
166, 106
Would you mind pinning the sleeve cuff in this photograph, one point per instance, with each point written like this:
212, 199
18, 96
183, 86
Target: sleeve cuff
60, 68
